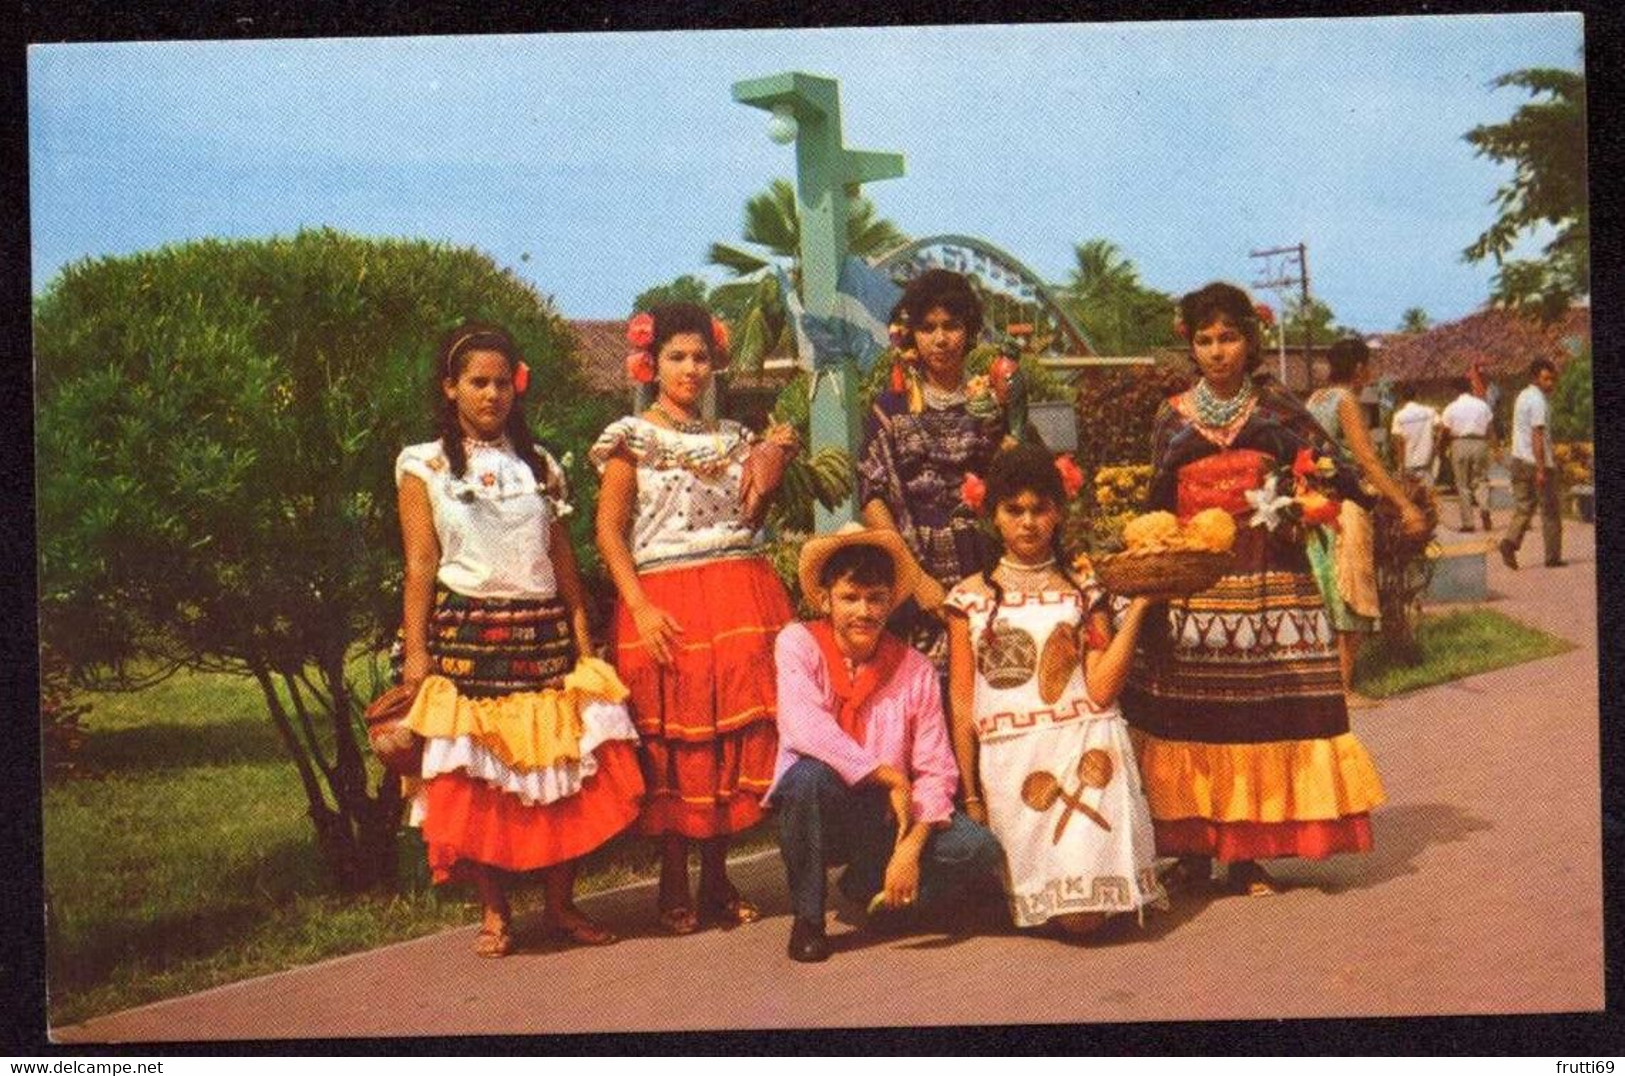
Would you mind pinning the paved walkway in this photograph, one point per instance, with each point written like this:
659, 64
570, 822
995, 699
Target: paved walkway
1484, 895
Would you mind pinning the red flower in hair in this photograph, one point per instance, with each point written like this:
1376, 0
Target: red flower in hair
1304, 464
640, 367
1266, 316
521, 378
973, 491
719, 334
640, 331
1071, 475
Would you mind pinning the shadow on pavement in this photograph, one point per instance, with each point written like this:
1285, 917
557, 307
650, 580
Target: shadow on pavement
1400, 835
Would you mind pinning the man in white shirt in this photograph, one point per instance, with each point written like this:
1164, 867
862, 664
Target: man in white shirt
1533, 465
1412, 430
1468, 419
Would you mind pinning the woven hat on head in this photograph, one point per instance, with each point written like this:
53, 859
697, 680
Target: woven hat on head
817, 550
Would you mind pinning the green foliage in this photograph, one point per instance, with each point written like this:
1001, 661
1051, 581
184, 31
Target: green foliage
1545, 141
1120, 315
221, 421
752, 305
1449, 647
1315, 317
1571, 400
1414, 320
687, 288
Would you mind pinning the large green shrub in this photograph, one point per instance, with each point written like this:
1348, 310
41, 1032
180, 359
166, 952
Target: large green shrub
217, 424
1571, 401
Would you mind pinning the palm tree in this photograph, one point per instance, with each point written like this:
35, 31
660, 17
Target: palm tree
752, 301
1414, 320
1104, 293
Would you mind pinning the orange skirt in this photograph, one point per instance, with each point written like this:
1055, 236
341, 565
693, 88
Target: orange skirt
1232, 841
708, 738
468, 821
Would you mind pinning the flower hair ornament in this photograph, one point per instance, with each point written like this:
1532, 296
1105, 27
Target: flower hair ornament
1266, 316
973, 491
521, 371
1071, 474
640, 334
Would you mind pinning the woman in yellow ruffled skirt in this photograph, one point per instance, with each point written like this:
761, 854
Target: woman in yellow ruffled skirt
529, 756
1237, 707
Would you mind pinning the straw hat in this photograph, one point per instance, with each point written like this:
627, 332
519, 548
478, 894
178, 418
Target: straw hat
816, 550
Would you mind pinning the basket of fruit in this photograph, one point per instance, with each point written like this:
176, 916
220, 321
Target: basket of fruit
1161, 557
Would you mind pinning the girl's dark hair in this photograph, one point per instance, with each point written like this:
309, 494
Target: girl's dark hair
1024, 468
450, 359
947, 289
1220, 300
673, 318
1344, 357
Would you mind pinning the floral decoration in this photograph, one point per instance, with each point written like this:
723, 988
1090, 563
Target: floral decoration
1071, 475
640, 331
973, 491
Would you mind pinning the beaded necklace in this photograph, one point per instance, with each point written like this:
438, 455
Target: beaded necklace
681, 425
939, 399
1217, 412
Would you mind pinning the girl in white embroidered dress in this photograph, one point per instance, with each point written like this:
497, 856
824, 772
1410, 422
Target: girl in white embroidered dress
1044, 755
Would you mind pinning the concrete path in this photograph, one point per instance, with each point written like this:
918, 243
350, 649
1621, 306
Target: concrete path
1484, 895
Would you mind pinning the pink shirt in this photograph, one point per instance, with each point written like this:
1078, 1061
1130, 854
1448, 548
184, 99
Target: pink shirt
904, 726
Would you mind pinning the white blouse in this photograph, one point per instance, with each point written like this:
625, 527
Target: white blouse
493, 522
688, 490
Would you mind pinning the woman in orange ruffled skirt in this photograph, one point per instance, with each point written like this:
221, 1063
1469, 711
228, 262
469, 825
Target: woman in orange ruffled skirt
529, 754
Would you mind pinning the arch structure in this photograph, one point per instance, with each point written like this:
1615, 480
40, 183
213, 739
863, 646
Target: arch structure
997, 269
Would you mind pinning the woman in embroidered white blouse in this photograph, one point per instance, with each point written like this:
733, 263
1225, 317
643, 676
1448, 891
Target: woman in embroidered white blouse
529, 759
699, 607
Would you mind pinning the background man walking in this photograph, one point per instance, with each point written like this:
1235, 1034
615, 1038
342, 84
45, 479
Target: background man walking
1468, 419
1533, 465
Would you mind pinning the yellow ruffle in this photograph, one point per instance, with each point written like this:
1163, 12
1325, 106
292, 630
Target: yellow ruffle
527, 730
1281, 781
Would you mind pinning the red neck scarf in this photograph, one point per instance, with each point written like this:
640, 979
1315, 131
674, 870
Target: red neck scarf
853, 693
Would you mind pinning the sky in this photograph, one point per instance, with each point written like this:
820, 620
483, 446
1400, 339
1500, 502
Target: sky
598, 165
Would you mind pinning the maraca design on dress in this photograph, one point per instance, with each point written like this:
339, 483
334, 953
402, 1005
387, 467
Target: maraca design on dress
1042, 789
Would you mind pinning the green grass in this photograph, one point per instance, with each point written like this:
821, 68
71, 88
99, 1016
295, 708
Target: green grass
183, 857
1454, 645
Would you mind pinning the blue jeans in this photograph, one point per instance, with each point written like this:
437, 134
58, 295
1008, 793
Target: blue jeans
822, 822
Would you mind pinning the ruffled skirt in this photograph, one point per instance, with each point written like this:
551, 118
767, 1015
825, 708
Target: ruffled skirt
523, 767
1239, 720
706, 723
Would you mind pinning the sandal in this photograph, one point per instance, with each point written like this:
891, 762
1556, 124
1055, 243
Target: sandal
493, 942
1186, 874
1248, 878
577, 929
728, 909
679, 919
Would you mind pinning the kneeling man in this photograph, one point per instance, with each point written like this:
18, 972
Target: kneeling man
865, 772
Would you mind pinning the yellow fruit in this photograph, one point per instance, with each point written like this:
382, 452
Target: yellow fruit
1153, 527
1212, 529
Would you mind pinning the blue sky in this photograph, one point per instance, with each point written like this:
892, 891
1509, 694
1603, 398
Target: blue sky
597, 165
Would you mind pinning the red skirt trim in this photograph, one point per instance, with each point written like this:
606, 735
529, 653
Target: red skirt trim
1231, 841
707, 721
467, 821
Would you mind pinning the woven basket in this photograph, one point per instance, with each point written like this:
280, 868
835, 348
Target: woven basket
397, 747
1170, 573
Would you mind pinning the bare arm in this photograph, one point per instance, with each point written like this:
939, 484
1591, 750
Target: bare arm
1365, 454
961, 715
422, 550
617, 498
1107, 670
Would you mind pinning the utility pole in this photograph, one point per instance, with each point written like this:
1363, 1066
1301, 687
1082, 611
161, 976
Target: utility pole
1279, 274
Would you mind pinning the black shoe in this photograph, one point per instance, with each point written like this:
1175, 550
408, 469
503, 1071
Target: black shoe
1509, 554
1558, 563
808, 945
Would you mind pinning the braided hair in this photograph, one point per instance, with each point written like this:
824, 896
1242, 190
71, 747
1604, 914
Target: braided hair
1024, 468
451, 358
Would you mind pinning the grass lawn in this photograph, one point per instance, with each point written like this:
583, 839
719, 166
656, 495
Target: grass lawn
184, 858
1454, 645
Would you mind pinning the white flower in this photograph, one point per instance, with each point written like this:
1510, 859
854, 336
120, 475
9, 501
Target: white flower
567, 461
1267, 504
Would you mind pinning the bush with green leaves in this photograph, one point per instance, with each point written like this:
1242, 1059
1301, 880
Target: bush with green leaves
1571, 401
216, 429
